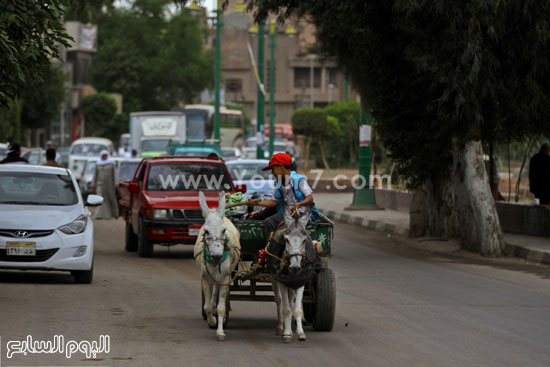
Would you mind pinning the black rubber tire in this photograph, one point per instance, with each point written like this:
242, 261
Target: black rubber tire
145, 247
325, 300
131, 239
83, 276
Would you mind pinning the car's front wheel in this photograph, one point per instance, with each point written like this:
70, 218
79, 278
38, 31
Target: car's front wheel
83, 276
145, 246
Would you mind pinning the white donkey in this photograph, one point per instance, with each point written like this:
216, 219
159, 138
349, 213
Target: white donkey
217, 251
288, 282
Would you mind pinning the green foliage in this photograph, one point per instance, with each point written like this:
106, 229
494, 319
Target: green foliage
309, 121
437, 72
99, 114
30, 34
10, 122
42, 98
87, 11
344, 147
153, 60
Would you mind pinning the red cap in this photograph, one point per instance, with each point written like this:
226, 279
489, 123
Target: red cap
279, 159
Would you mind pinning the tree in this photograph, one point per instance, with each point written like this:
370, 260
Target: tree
440, 77
10, 122
347, 115
30, 34
311, 122
42, 99
153, 60
99, 115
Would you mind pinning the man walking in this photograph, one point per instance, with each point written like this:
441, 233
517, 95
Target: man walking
14, 155
539, 175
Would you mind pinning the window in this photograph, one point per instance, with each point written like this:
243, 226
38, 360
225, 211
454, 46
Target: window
301, 77
32, 188
182, 177
234, 86
332, 77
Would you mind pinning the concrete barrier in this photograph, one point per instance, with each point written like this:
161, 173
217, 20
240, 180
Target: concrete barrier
524, 219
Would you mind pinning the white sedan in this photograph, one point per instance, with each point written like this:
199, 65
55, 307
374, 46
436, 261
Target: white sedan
44, 223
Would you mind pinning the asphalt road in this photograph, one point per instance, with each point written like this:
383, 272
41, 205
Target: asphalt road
395, 307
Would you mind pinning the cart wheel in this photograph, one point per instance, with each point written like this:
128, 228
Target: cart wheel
325, 300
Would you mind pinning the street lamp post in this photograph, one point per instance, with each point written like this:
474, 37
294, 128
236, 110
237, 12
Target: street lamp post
261, 98
272, 45
217, 75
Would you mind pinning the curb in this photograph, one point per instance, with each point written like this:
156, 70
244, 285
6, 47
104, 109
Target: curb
537, 256
373, 225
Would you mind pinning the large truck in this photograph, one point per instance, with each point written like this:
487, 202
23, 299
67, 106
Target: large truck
151, 133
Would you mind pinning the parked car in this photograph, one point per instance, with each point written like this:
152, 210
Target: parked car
36, 156
85, 180
44, 221
249, 153
84, 149
161, 203
249, 172
231, 153
3, 150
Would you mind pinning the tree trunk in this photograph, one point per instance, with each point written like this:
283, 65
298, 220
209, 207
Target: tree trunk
323, 157
475, 206
306, 154
433, 210
459, 204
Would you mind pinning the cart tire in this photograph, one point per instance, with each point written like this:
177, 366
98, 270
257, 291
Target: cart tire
325, 300
130, 242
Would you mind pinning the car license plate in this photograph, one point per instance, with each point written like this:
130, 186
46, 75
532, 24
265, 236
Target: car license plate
16, 248
194, 231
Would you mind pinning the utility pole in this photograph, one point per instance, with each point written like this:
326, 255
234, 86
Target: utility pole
311, 77
272, 45
217, 75
261, 98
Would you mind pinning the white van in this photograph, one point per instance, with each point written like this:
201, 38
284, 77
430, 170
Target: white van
85, 148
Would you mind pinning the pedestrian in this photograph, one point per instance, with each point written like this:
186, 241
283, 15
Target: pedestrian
539, 175
14, 155
104, 182
57, 155
290, 187
50, 158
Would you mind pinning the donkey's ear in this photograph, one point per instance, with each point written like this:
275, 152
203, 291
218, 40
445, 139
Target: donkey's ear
287, 215
304, 218
221, 204
204, 205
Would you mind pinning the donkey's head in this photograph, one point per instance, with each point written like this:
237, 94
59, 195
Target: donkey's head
214, 227
295, 236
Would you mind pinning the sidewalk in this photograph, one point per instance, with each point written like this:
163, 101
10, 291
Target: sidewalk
532, 248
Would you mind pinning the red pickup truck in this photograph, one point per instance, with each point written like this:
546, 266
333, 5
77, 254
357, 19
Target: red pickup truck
161, 203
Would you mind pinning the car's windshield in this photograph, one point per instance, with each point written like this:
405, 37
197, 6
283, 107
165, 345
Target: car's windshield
190, 176
31, 188
126, 170
88, 149
249, 171
155, 145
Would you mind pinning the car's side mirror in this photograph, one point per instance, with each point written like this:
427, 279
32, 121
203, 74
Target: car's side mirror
133, 187
94, 200
240, 188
